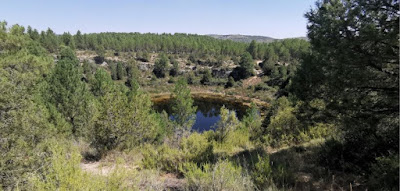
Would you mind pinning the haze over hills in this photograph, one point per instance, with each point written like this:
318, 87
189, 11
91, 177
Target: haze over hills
247, 38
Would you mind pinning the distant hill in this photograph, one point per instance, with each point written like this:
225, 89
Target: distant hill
247, 38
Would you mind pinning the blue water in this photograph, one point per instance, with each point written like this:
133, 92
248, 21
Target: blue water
205, 121
207, 114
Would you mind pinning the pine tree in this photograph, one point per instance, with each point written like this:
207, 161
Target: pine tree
206, 77
353, 68
183, 109
69, 94
161, 66
175, 68
228, 123
102, 83
246, 65
253, 49
120, 71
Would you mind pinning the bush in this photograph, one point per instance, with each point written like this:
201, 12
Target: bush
164, 158
125, 121
283, 128
262, 87
222, 176
262, 173
206, 79
321, 130
230, 83
191, 79
196, 148
228, 122
63, 172
238, 138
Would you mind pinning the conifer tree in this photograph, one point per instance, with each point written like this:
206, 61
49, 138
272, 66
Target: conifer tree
183, 109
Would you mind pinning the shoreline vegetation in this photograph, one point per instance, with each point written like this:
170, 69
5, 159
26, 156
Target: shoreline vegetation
221, 97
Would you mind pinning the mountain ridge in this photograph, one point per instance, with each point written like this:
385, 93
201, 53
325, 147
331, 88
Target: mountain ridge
248, 38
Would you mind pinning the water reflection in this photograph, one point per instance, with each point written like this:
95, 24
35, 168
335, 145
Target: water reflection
207, 114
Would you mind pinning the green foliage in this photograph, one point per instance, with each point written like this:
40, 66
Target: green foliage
25, 121
238, 139
228, 123
252, 121
88, 70
268, 66
191, 78
321, 130
133, 74
102, 83
164, 158
221, 176
262, 173
283, 128
69, 95
120, 71
175, 68
183, 109
246, 65
206, 77
143, 56
79, 41
114, 72
68, 40
354, 69
161, 66
230, 83
49, 40
125, 120
253, 49
197, 149
63, 172
283, 72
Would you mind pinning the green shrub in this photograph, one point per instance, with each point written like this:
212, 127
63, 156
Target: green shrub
283, 128
267, 174
63, 172
164, 158
262, 173
221, 176
321, 130
228, 122
196, 148
239, 138
262, 87
150, 157
253, 121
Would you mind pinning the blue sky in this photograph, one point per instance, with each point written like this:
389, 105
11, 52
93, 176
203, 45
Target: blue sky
274, 18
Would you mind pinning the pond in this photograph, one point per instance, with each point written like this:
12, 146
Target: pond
208, 111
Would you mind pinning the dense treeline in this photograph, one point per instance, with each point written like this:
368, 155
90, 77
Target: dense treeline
177, 43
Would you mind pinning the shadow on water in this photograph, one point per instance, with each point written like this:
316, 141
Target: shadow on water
208, 111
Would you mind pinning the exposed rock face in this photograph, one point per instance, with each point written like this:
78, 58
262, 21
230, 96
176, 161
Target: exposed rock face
104, 64
221, 72
144, 66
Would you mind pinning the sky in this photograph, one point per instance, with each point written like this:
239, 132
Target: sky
273, 18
